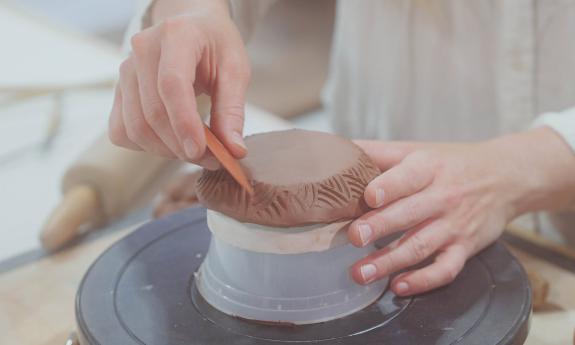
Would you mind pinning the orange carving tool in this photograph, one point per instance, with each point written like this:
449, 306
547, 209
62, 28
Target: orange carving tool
227, 160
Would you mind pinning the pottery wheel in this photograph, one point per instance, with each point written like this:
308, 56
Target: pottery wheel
142, 291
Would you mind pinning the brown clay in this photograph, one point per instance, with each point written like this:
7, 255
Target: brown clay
299, 177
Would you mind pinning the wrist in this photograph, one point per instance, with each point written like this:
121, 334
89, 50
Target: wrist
159, 10
538, 168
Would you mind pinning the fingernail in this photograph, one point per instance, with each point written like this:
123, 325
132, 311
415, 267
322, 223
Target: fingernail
365, 233
379, 195
401, 288
191, 148
368, 272
239, 140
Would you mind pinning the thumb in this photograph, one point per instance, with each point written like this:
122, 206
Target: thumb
227, 114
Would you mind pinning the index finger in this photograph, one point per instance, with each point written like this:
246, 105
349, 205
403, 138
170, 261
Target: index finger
176, 77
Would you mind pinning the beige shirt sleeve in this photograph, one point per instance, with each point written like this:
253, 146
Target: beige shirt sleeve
247, 13
135, 24
562, 122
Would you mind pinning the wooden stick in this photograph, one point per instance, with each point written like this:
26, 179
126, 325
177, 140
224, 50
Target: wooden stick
541, 241
79, 208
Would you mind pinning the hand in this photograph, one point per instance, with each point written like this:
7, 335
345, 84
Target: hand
452, 200
196, 51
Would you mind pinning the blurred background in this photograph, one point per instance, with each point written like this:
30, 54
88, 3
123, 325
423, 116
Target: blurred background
59, 63
90, 17
58, 66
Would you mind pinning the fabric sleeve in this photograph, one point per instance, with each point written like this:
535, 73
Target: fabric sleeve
564, 124
247, 13
136, 23
561, 122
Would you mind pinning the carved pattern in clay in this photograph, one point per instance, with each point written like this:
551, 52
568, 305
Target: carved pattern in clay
335, 198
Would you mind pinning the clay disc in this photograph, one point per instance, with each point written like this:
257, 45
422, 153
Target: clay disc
299, 178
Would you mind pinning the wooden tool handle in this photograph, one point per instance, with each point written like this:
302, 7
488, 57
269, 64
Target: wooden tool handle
539, 289
79, 208
227, 160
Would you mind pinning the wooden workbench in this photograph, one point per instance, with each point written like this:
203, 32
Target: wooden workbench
37, 299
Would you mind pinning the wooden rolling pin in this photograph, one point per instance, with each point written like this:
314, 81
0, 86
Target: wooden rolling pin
100, 186
103, 184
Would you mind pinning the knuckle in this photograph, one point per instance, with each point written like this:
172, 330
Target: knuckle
238, 68
171, 25
425, 282
233, 114
386, 264
137, 131
139, 42
421, 165
412, 211
451, 273
169, 82
412, 177
155, 114
230, 116
116, 135
472, 246
423, 157
378, 225
125, 67
452, 229
452, 197
420, 249
423, 160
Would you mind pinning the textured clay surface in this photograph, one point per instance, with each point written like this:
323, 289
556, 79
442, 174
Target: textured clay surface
299, 177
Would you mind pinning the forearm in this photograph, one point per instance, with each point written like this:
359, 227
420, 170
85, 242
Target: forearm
540, 165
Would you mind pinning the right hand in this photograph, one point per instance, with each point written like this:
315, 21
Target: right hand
194, 52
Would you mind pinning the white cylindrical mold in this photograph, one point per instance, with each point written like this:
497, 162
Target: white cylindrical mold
298, 288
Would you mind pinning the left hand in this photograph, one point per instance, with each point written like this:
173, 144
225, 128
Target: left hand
452, 200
